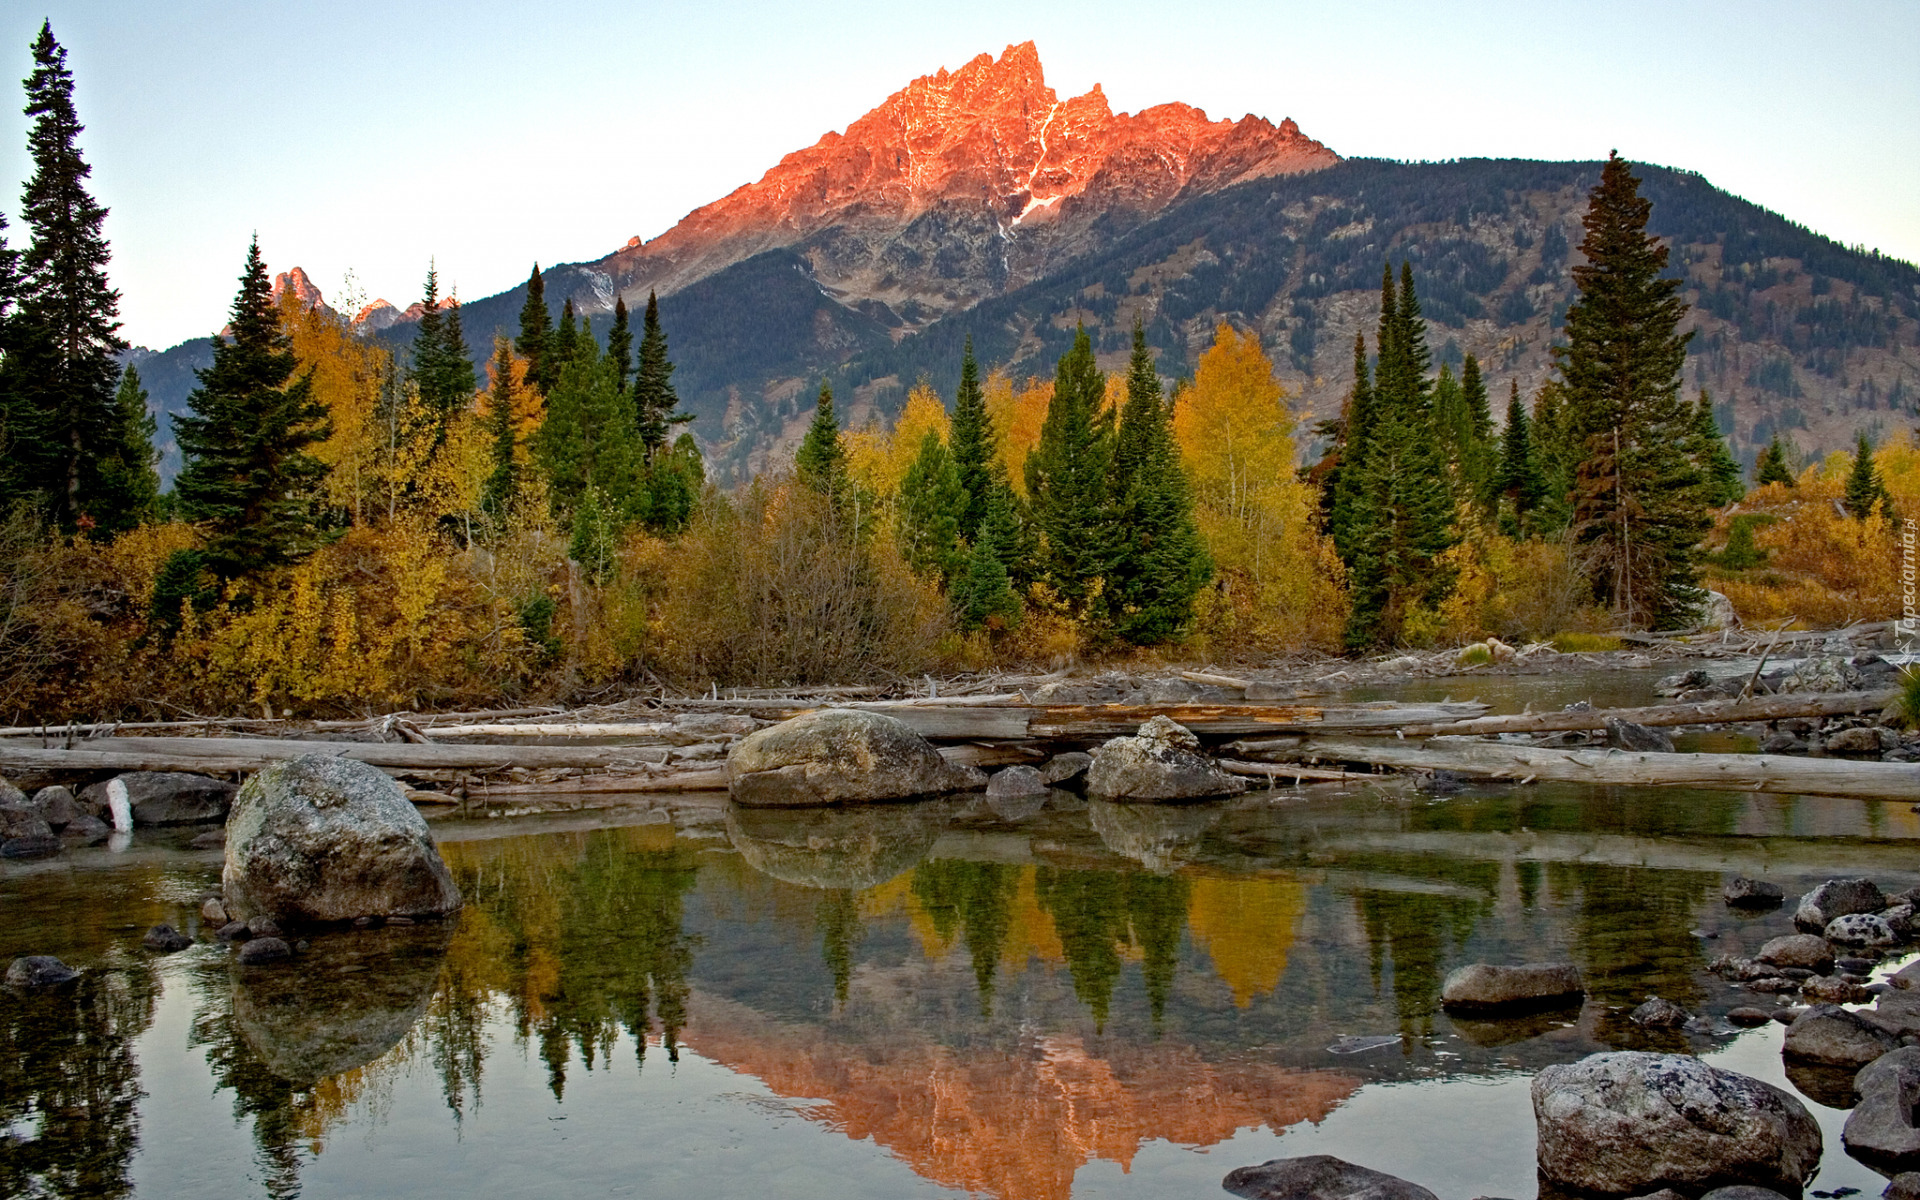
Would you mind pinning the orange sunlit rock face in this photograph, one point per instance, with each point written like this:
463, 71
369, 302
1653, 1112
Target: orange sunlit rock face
1014, 1122
990, 136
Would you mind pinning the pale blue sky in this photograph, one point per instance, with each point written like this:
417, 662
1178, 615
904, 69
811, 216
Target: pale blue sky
372, 137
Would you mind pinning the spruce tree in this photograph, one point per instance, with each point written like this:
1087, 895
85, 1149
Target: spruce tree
620, 343
588, 439
129, 484
1864, 488
504, 480
983, 594
1481, 453
1158, 562
442, 368
975, 446
1771, 465
1719, 473
821, 462
563, 345
535, 331
61, 370
654, 399
1518, 481
931, 501
1067, 478
674, 480
1637, 507
1554, 449
247, 478
13, 479
1356, 427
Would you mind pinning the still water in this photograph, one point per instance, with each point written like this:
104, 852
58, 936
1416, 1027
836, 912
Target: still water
1058, 999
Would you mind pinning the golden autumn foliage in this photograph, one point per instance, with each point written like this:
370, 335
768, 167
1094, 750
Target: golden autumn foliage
878, 461
1017, 418
1280, 584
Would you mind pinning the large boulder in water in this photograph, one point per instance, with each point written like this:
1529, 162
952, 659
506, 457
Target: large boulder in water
1161, 761
1837, 898
325, 839
1830, 1036
1319, 1177
1491, 986
1881, 1130
1628, 1123
840, 756
855, 848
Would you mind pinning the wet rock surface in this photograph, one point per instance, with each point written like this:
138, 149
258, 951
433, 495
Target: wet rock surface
1017, 781
1319, 1177
1627, 1123
1828, 1035
840, 756
1488, 986
1162, 761
1657, 1013
1803, 950
1837, 898
1741, 892
38, 972
325, 840
1881, 1131
165, 939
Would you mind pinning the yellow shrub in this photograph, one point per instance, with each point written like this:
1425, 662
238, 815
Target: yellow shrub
1822, 565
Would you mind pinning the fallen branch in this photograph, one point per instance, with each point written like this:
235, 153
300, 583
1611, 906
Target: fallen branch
1291, 771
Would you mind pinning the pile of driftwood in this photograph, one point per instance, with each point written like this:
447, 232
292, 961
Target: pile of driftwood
679, 744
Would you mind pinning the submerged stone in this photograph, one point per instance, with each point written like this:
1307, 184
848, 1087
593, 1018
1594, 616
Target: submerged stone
1492, 986
1319, 1177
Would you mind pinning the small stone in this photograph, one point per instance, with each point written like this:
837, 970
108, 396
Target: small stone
1062, 768
1743, 1191
1319, 1177
34, 846
57, 806
1625, 735
1836, 1037
1748, 1016
86, 829
233, 931
1742, 892
214, 913
166, 939
1833, 989
1899, 918
363, 922
1787, 1016
1862, 741
1659, 1014
1488, 985
1802, 950
212, 839
264, 950
1016, 781
399, 921
1905, 1186
262, 926
1773, 986
1861, 929
1854, 965
39, 971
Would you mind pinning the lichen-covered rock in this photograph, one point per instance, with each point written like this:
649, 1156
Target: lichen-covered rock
1161, 761
1319, 1177
1625, 735
1832, 989
1797, 950
1627, 1123
1880, 1130
324, 839
1017, 780
1064, 768
1831, 1036
165, 797
57, 807
1861, 740
1837, 898
1742, 892
1491, 986
840, 756
1861, 929
1656, 1013
851, 848
24, 833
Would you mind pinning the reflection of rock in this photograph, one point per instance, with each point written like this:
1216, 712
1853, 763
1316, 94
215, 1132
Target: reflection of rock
1505, 1030
840, 755
1154, 835
1831, 1086
835, 847
346, 1001
1319, 1177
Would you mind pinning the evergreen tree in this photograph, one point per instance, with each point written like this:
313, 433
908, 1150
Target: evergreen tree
1719, 473
442, 368
535, 327
821, 461
931, 502
564, 344
1637, 506
247, 478
1771, 465
1864, 488
1553, 448
673, 482
620, 343
1518, 480
504, 480
1480, 455
61, 367
129, 484
1067, 478
983, 594
1356, 426
975, 444
654, 399
1159, 562
588, 439
12, 457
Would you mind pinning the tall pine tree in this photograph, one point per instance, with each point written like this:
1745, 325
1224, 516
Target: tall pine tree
975, 446
983, 594
61, 370
620, 343
535, 331
129, 484
1355, 431
1067, 478
442, 368
821, 462
247, 478
931, 502
1158, 562
1864, 488
1771, 465
654, 400
1518, 480
503, 482
563, 346
1637, 506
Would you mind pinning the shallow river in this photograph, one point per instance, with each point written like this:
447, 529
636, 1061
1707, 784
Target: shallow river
1071, 999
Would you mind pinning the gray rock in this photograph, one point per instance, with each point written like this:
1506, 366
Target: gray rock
840, 756
36, 972
1837, 898
86, 829
1742, 892
1880, 1131
261, 925
1743, 1191
20, 820
1489, 986
166, 798
1905, 1186
256, 952
1016, 781
1831, 1036
1658, 1014
1749, 1016
322, 839
57, 806
1626, 1123
1861, 929
1319, 1177
853, 848
1898, 1011
212, 839
1861, 740
1899, 918
10, 794
1833, 989
1797, 950
1064, 768
1625, 735
1161, 761
166, 939
32, 846
233, 931
213, 912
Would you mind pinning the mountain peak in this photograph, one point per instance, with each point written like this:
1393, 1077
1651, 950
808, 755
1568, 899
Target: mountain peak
297, 282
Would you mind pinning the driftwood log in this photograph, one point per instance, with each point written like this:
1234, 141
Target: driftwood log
1705, 712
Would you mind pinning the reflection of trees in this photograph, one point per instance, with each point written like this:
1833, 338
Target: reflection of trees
1417, 933
273, 1103
69, 1085
1100, 914
976, 898
837, 917
1632, 930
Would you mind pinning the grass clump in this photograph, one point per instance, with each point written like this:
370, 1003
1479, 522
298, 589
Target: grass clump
1570, 642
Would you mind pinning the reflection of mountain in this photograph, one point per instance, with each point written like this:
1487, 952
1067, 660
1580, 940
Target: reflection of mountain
1013, 1121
